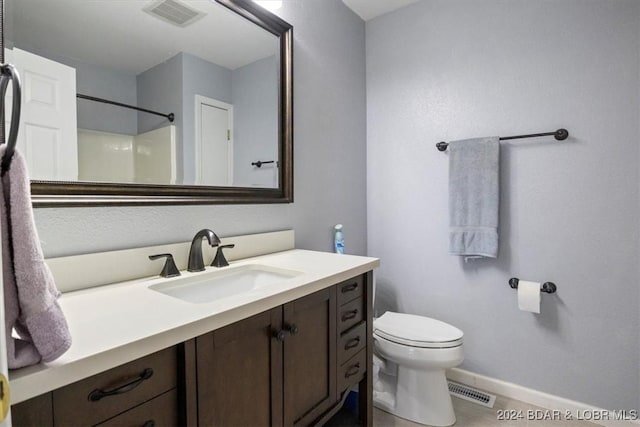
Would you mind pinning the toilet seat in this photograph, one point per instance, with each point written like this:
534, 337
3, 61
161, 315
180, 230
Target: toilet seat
416, 331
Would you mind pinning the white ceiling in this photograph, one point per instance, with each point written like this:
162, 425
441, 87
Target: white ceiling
120, 35
369, 9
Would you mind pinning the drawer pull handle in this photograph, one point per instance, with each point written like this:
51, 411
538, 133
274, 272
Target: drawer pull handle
352, 343
98, 394
349, 288
149, 423
352, 370
349, 315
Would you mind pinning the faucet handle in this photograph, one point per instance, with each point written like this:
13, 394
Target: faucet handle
219, 260
169, 269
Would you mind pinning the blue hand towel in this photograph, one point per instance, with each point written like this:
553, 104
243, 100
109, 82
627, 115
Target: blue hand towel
474, 197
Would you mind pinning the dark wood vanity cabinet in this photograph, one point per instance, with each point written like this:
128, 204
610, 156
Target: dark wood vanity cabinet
291, 365
34, 412
275, 368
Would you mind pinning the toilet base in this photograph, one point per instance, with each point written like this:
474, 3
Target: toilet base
422, 397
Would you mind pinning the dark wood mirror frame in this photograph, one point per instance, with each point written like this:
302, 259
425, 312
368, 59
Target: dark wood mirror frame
59, 194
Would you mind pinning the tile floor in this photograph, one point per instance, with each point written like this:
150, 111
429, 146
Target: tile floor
470, 414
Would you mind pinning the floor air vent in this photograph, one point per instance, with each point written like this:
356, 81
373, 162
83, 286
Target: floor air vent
471, 394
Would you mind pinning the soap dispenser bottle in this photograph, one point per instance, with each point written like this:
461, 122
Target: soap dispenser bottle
338, 239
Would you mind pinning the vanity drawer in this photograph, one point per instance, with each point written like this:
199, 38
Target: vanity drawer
116, 390
352, 371
158, 412
350, 314
350, 289
352, 342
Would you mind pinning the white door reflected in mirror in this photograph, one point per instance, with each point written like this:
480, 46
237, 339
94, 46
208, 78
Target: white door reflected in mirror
214, 143
47, 135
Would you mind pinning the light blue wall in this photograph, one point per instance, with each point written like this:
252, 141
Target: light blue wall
329, 158
160, 89
107, 84
441, 70
255, 115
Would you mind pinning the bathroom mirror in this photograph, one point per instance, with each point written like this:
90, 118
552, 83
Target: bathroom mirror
152, 101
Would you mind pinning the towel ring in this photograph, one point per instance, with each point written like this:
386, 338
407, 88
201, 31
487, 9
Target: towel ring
9, 73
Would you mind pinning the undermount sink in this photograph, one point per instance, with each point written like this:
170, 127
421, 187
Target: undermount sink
214, 285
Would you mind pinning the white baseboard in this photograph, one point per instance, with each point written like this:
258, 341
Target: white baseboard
537, 398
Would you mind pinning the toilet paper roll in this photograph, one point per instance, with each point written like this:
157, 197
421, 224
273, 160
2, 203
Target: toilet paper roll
529, 296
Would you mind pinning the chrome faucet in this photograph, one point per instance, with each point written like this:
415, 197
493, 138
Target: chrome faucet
196, 263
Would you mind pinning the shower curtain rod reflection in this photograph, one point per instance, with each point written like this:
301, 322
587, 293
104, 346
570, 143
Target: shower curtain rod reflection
171, 117
560, 135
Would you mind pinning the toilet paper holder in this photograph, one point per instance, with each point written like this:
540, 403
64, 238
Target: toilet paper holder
548, 287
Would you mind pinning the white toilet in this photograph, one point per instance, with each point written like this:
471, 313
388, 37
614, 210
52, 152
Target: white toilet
411, 356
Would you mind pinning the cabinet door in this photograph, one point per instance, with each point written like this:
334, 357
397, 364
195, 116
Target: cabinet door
239, 370
310, 357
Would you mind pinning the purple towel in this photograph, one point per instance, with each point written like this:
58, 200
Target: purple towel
36, 329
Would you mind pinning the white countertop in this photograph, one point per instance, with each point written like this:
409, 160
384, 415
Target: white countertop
114, 324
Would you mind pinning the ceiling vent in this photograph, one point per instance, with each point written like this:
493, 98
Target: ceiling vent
174, 12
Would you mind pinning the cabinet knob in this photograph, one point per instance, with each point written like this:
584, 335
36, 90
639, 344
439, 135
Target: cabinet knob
149, 423
293, 329
279, 335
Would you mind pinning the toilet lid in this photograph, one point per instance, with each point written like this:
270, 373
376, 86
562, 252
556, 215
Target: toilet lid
417, 331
